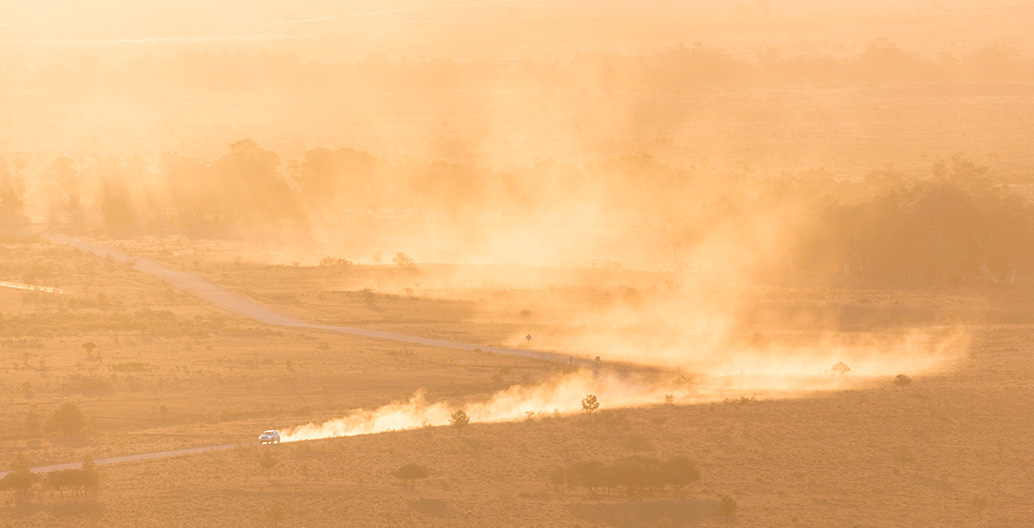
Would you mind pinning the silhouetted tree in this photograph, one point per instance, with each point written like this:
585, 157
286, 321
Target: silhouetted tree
404, 261
89, 346
588, 474
459, 420
590, 404
681, 472
249, 187
901, 380
636, 473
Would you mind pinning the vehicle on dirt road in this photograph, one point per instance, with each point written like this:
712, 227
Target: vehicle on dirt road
270, 437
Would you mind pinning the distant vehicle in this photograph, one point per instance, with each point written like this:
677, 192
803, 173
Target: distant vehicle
270, 437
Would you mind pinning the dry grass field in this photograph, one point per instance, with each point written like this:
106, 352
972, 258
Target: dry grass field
786, 247
947, 450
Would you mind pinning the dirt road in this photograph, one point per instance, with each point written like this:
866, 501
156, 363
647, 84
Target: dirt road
132, 458
232, 303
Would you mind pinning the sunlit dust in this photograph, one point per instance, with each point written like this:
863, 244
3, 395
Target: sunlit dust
775, 375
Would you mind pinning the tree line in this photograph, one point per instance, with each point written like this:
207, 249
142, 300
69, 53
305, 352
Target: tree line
22, 481
957, 223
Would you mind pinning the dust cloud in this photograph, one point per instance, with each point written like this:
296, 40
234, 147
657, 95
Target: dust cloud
710, 195
729, 376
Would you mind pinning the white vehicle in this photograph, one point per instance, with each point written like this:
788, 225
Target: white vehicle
270, 437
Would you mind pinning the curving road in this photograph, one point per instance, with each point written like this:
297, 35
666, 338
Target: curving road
232, 303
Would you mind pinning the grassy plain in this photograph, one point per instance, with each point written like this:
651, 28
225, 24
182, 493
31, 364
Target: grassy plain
947, 450
169, 371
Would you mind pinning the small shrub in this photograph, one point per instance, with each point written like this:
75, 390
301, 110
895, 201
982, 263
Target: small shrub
841, 368
742, 400
459, 420
902, 380
590, 404
335, 262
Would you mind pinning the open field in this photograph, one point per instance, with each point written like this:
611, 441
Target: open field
652, 264
166, 372
871, 455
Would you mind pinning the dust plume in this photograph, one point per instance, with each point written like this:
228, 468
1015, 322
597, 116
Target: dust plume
560, 397
734, 375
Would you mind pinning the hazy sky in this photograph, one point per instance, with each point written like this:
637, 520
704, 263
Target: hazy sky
434, 28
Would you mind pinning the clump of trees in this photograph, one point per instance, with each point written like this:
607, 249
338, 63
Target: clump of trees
631, 475
411, 472
22, 480
958, 223
77, 481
